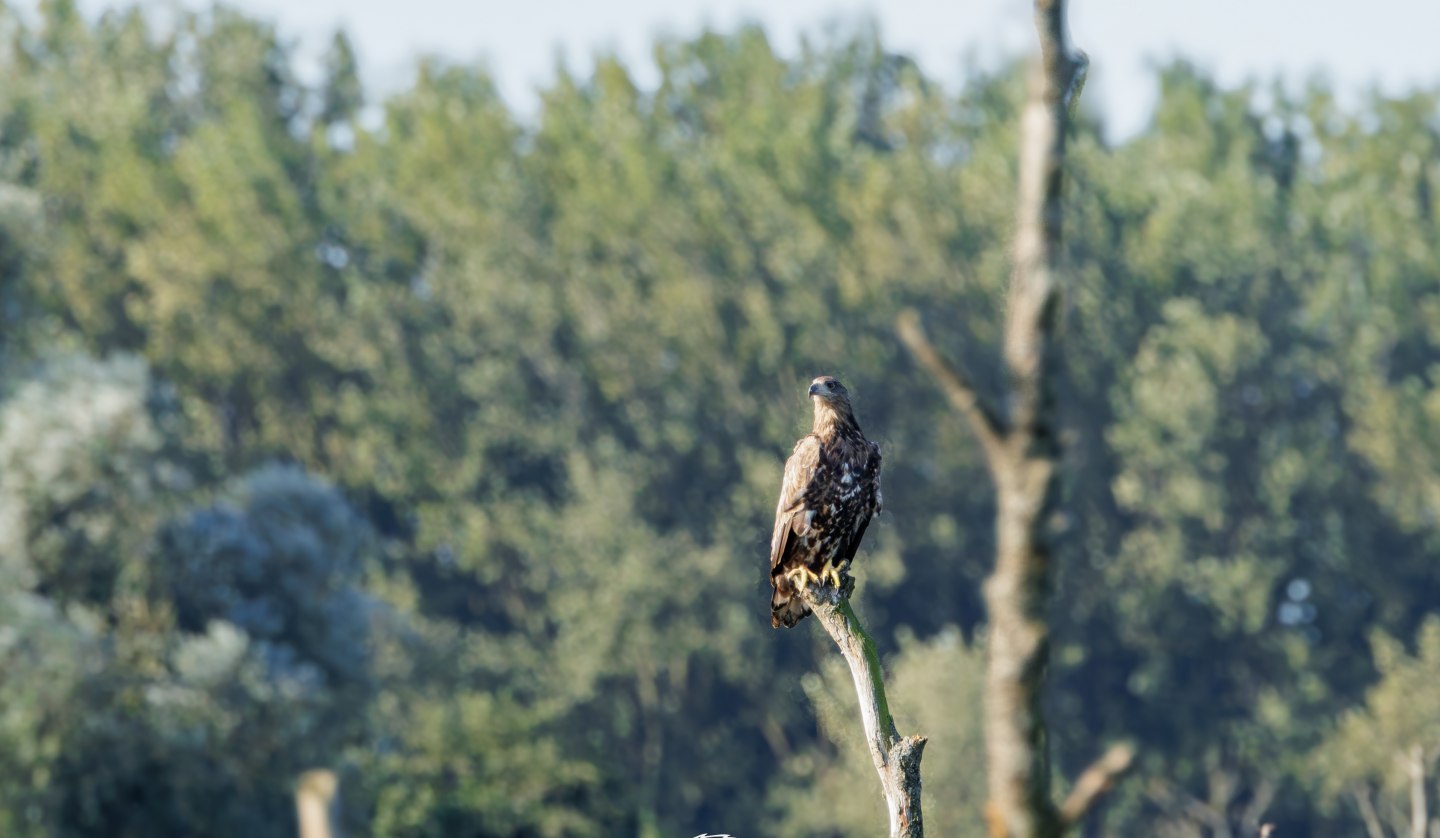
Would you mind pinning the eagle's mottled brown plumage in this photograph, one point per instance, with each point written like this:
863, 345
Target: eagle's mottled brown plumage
830, 491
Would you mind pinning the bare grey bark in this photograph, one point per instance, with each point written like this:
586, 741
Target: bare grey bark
1262, 795
1419, 811
1096, 782
1365, 798
1022, 452
314, 803
1198, 813
896, 757
1213, 813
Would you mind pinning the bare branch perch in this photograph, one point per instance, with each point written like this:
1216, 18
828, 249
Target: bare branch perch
952, 379
1095, 782
896, 758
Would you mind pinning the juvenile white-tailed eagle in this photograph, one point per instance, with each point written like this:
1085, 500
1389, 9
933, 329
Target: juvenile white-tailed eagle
831, 489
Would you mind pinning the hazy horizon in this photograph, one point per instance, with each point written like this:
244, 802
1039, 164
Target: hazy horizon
1380, 44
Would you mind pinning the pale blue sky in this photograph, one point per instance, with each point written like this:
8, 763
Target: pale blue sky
1353, 42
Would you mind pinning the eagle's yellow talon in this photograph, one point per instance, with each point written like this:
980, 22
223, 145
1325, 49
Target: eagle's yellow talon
802, 577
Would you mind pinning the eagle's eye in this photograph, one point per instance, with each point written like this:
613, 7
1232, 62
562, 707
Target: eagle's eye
833, 384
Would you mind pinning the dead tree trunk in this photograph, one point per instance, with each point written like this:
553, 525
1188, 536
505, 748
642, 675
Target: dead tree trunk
1022, 452
315, 803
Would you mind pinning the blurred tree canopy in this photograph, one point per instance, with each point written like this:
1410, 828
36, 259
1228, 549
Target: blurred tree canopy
437, 446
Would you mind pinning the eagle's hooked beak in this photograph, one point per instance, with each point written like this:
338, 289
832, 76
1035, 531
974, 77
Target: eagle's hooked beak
815, 389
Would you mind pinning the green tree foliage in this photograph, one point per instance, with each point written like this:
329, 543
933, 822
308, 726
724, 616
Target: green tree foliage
164, 677
542, 374
77, 479
1378, 745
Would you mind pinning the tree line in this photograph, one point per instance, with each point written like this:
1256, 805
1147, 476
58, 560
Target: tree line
437, 446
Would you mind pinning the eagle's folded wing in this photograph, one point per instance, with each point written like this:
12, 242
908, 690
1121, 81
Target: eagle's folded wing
799, 471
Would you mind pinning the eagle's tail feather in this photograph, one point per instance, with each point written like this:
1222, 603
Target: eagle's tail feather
787, 606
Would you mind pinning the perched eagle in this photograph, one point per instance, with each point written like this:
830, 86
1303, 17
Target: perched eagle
831, 488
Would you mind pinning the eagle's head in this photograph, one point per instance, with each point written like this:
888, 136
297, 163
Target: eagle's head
832, 407
829, 391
